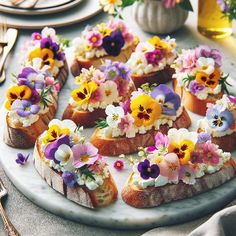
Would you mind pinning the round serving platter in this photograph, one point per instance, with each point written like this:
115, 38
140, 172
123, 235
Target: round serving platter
85, 10
40, 11
119, 215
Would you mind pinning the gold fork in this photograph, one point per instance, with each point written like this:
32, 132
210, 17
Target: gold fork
11, 230
3, 34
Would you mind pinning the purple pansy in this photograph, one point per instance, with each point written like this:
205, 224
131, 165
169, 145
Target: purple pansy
46, 43
219, 120
110, 70
205, 51
148, 171
196, 87
126, 106
203, 137
124, 70
169, 100
35, 98
52, 147
21, 159
25, 108
113, 43
69, 178
187, 175
154, 57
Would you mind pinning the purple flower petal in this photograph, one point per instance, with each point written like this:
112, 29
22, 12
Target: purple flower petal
34, 109
26, 72
69, 178
46, 43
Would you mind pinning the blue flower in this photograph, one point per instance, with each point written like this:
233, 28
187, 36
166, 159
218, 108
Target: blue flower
219, 120
169, 100
21, 159
69, 178
203, 137
110, 70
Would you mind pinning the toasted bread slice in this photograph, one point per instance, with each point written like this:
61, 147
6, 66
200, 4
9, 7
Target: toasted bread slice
63, 73
226, 143
194, 104
158, 77
78, 64
123, 145
102, 196
17, 136
155, 196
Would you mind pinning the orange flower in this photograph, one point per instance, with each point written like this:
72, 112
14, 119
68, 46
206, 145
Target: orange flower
45, 54
211, 80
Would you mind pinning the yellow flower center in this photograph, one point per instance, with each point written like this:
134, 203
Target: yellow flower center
67, 158
94, 39
108, 92
149, 170
84, 158
118, 164
115, 117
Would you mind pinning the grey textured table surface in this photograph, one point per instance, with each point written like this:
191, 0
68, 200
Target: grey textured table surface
32, 220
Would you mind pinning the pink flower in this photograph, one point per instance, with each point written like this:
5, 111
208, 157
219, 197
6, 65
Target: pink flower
36, 36
187, 175
169, 166
154, 57
98, 77
169, 3
51, 82
96, 96
94, 39
210, 154
126, 106
126, 123
99, 165
85, 154
119, 165
188, 59
161, 141
122, 86
232, 99
128, 37
118, 25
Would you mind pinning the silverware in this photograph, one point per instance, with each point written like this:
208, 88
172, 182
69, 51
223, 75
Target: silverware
11, 230
16, 2
11, 39
3, 34
31, 4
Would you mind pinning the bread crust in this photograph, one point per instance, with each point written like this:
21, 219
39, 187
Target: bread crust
100, 197
17, 136
226, 143
63, 73
78, 64
123, 145
194, 104
151, 196
158, 77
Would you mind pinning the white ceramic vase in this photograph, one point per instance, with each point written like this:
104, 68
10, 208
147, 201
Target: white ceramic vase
153, 17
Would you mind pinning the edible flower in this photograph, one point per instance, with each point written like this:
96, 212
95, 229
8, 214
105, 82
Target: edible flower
169, 100
162, 141
83, 94
25, 108
148, 171
21, 92
126, 123
64, 155
122, 86
51, 148
219, 120
104, 29
110, 69
21, 159
154, 57
187, 175
210, 154
203, 137
98, 77
36, 36
94, 39
158, 43
110, 5
114, 115
124, 71
232, 99
53, 133
211, 80
113, 43
182, 150
69, 178
145, 110
126, 106
196, 87
45, 54
85, 154
206, 65
109, 91
119, 165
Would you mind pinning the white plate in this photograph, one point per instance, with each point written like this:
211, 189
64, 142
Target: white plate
83, 11
40, 4
43, 11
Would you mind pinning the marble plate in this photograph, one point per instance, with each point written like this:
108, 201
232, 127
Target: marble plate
85, 10
119, 215
40, 11
40, 4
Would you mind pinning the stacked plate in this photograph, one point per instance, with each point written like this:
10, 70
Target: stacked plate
53, 13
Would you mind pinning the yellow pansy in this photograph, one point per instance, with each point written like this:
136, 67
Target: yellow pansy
182, 150
83, 94
88, 47
158, 43
21, 92
104, 30
53, 133
145, 110
45, 54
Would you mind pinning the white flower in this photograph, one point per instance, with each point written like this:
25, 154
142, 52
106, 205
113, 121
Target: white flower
110, 5
37, 63
137, 63
206, 65
63, 124
144, 47
137, 93
64, 154
49, 33
177, 135
109, 92
114, 115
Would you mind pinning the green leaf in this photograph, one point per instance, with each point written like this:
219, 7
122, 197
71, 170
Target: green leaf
126, 3
186, 5
64, 43
84, 170
101, 124
187, 80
